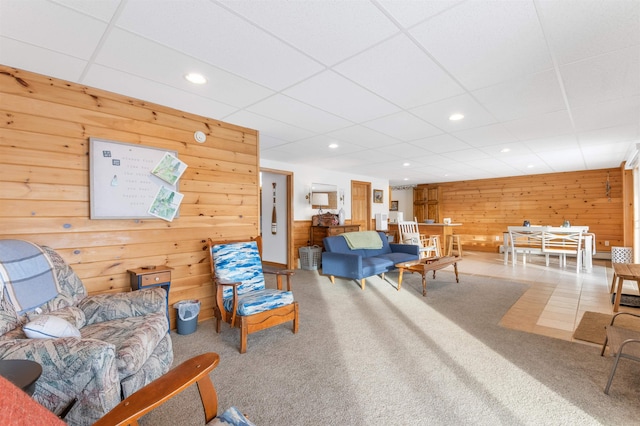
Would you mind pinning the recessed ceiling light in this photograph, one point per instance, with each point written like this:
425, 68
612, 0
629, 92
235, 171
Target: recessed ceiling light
405, 179
530, 166
195, 78
333, 145
406, 164
456, 117
505, 150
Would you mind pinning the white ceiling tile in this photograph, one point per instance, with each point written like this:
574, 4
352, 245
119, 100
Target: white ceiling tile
329, 31
579, 29
406, 151
43, 61
529, 164
37, 22
563, 160
403, 126
493, 134
530, 95
323, 142
466, 155
599, 156
151, 91
401, 72
607, 114
363, 136
209, 32
504, 151
268, 142
269, 126
441, 143
438, 113
142, 57
332, 92
286, 154
493, 41
540, 126
410, 12
103, 9
446, 162
606, 77
629, 132
291, 111
565, 142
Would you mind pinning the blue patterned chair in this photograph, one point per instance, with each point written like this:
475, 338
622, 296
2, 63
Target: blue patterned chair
118, 344
242, 300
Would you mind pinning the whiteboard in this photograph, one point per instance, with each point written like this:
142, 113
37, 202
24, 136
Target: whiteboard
122, 186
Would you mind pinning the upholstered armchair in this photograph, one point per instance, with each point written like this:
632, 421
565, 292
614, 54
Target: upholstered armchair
242, 299
94, 350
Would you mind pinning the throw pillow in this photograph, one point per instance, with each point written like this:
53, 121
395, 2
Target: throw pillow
232, 416
411, 238
49, 327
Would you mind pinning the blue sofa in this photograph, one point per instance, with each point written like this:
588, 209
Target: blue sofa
340, 260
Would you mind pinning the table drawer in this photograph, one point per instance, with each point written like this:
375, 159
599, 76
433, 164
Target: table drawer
155, 278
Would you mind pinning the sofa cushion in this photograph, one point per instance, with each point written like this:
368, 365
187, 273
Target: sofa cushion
135, 338
260, 301
398, 257
375, 265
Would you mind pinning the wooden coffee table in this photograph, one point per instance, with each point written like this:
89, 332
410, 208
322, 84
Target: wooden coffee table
425, 265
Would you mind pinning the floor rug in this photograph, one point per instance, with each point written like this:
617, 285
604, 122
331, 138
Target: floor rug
592, 326
627, 300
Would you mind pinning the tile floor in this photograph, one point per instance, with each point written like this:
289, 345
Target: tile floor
558, 297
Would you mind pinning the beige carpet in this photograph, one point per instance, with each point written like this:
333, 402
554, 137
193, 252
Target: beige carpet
387, 357
592, 326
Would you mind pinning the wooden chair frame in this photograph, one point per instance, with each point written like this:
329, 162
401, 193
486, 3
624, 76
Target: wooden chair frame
428, 245
251, 323
156, 393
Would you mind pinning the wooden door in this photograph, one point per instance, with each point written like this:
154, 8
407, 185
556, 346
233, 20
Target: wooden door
361, 204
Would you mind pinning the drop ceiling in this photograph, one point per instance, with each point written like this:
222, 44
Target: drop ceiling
544, 86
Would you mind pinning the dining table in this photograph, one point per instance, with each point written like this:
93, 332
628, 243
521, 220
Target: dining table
588, 243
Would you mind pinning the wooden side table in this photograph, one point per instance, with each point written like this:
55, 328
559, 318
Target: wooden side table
622, 272
148, 277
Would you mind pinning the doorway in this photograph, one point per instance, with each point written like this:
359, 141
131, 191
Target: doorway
361, 204
276, 217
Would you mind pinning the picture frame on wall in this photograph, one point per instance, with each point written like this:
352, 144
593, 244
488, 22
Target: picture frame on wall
378, 195
394, 206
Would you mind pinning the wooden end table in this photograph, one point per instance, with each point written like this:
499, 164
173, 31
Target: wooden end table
425, 265
621, 272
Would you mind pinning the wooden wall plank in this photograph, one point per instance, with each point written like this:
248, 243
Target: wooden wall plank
486, 207
45, 195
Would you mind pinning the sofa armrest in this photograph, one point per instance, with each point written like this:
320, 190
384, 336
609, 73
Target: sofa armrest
71, 368
107, 307
405, 248
342, 264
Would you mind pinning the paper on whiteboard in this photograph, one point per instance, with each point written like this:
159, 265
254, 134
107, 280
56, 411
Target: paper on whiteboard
166, 204
169, 168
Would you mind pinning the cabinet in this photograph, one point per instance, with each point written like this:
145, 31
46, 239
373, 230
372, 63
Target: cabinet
157, 276
319, 232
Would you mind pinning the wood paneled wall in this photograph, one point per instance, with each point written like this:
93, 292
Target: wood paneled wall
486, 207
44, 183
